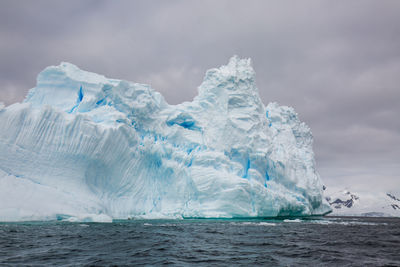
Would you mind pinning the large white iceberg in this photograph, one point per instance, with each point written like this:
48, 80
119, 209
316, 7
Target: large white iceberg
85, 147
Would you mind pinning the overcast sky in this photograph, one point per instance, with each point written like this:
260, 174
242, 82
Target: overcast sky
336, 62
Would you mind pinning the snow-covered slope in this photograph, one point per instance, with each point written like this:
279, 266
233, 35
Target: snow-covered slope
346, 203
85, 147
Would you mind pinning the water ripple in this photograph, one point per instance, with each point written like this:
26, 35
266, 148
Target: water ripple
329, 241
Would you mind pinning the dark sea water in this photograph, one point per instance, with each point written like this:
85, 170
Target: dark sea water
312, 242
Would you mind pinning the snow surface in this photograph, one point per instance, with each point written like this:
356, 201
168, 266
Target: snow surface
82, 147
361, 203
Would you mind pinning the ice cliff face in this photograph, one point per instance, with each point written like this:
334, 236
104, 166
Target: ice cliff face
84, 147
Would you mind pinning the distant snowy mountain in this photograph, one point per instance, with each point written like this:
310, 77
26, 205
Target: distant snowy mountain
348, 203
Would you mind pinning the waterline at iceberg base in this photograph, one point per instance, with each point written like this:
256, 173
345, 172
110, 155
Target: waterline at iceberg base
82, 147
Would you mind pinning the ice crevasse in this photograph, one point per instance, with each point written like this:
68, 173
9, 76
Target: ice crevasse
87, 148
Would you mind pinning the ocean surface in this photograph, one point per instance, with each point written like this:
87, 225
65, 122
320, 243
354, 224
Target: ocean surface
329, 241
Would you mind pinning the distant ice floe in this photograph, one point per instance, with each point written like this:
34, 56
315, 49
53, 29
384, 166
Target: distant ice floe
292, 220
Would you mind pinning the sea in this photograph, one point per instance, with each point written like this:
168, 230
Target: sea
327, 241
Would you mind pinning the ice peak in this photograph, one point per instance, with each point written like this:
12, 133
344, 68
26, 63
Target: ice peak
235, 71
239, 67
237, 77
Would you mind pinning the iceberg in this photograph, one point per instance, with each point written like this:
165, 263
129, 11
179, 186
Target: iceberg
82, 147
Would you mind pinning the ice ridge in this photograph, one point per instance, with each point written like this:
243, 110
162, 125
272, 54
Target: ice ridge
84, 147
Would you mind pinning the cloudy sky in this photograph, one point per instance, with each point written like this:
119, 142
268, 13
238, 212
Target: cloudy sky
336, 62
